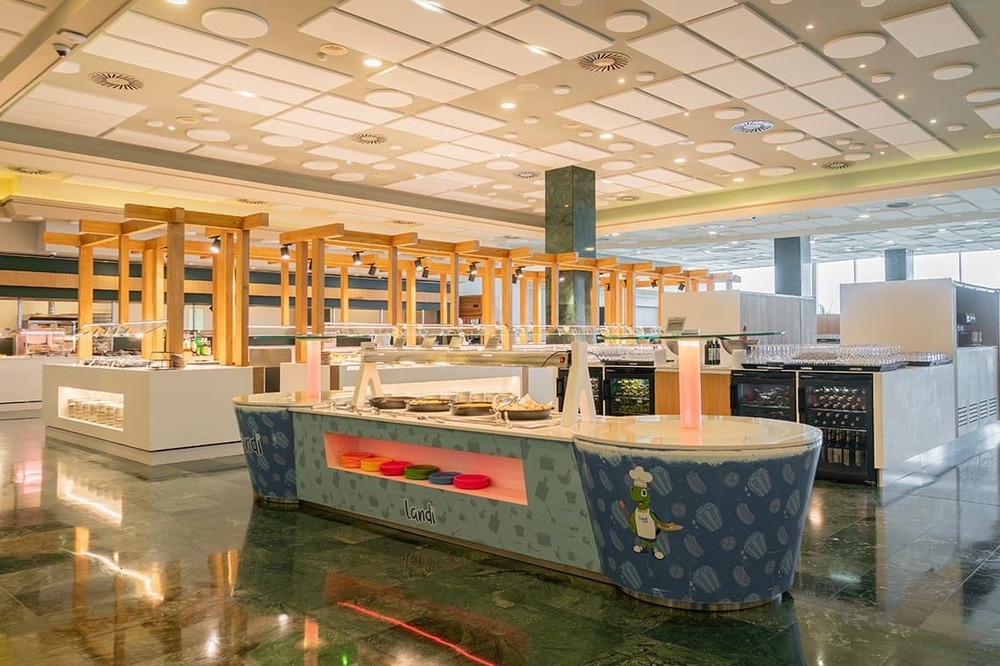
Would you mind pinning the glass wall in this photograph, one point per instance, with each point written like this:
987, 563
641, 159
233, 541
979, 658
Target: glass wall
756, 279
829, 277
980, 268
928, 266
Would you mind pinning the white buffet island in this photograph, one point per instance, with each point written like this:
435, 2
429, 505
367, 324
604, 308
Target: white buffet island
21, 380
150, 416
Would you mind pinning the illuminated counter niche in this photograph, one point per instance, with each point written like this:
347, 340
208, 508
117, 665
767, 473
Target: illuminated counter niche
506, 474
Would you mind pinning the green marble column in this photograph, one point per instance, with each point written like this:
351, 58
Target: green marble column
571, 226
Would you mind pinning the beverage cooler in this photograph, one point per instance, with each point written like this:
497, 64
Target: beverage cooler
628, 389
764, 395
596, 387
841, 405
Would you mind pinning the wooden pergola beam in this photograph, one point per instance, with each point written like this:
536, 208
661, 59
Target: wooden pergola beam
196, 218
327, 231
100, 227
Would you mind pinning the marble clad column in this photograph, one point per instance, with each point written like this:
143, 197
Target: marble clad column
793, 266
898, 264
571, 226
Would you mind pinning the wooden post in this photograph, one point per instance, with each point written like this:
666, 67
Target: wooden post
175, 282
522, 310
318, 285
395, 289
595, 296
536, 310
123, 279
345, 294
286, 294
242, 325
148, 298
301, 297
443, 317
455, 277
159, 296
227, 298
629, 287
411, 305
219, 342
661, 302
554, 296
611, 300
506, 301
85, 300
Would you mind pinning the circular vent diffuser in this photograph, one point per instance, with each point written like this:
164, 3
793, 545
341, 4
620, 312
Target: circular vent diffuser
627, 198
752, 126
29, 171
252, 202
899, 204
604, 61
405, 223
117, 80
369, 138
837, 165
527, 175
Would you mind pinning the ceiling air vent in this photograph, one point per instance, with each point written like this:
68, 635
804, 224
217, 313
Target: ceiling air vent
117, 80
628, 198
752, 126
369, 138
29, 171
604, 61
837, 165
252, 202
333, 49
899, 204
528, 175
405, 223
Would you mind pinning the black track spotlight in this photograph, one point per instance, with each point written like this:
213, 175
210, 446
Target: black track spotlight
472, 276
216, 246
309, 265
513, 278
286, 254
654, 284
473, 269
426, 273
372, 271
356, 258
419, 263
681, 286
519, 272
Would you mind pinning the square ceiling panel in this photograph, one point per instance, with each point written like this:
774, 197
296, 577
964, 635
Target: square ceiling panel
73, 99
730, 163
423, 21
990, 115
661, 175
97, 121
453, 67
742, 31
605, 186
822, 124
905, 133
870, 116
463, 196
423, 186
926, 149
681, 50
467, 120
60, 123
324, 121
784, 104
639, 104
293, 71
467, 155
809, 149
650, 134
597, 116
483, 12
140, 55
931, 31
667, 191
838, 93
150, 140
429, 159
20, 17
505, 203
230, 155
488, 144
259, 86
544, 159
795, 66
285, 128
697, 185
503, 52
420, 84
554, 33
233, 100
464, 179
686, 93
348, 108
427, 129
354, 33
346, 154
170, 37
738, 80
686, 10
577, 151
632, 182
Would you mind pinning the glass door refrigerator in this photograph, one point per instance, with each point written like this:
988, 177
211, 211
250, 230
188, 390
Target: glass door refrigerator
763, 394
596, 387
841, 405
628, 389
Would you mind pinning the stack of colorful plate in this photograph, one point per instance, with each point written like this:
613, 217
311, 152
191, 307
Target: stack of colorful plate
393, 467
471, 481
352, 459
442, 478
419, 472
372, 464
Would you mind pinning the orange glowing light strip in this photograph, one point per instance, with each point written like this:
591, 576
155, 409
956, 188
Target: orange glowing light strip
415, 630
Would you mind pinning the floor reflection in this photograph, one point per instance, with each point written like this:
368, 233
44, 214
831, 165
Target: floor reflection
110, 563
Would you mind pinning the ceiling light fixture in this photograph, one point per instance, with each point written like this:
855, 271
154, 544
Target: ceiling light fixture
372, 62
900, 96
356, 258
810, 26
862, 66
680, 160
933, 121
286, 254
216, 246
372, 271
473, 269
562, 278
179, 3
245, 93
607, 135
426, 272
508, 105
419, 263
430, 5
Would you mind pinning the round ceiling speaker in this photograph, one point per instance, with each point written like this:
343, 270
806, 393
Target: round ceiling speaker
854, 46
774, 172
389, 99
715, 147
234, 23
732, 113
624, 22
952, 72
785, 136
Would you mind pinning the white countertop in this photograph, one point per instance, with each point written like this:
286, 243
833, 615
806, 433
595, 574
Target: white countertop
705, 369
718, 433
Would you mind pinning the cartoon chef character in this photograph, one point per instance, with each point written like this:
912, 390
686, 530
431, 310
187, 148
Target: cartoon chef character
642, 521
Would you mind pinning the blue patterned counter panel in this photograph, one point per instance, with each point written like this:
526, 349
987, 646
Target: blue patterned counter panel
269, 447
721, 532
553, 526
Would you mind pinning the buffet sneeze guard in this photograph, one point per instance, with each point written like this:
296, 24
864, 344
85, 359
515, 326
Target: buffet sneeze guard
578, 401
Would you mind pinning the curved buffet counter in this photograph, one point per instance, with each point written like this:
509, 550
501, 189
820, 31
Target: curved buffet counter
584, 499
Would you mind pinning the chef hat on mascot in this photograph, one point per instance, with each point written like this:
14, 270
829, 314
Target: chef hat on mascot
640, 477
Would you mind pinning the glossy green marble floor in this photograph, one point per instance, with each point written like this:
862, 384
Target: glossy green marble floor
106, 562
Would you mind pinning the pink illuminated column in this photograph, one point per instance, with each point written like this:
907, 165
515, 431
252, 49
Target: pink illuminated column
689, 371
314, 375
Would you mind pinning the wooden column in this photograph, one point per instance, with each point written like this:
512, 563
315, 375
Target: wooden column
536, 310
318, 285
595, 296
345, 294
227, 299
85, 300
629, 287
455, 277
241, 324
506, 301
159, 299
411, 305
395, 289
611, 300
175, 282
148, 295
301, 297
123, 279
554, 297
661, 310
522, 310
286, 293
489, 292
443, 317
219, 343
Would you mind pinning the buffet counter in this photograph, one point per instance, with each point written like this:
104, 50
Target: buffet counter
21, 379
150, 416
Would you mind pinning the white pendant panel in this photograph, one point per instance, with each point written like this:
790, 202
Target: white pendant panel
990, 115
274, 126
666, 191
681, 50
158, 60
83, 116
233, 100
362, 36
927, 150
483, 12
503, 52
468, 155
324, 121
427, 129
730, 163
230, 155
683, 11
697, 185
639, 104
822, 124
652, 135
420, 84
464, 179
604, 186
905, 133
784, 104
151, 140
453, 67
170, 37
931, 31
597, 116
346, 154
742, 31
870, 116
577, 151
490, 145
74, 99
429, 159
838, 93
795, 66
737, 80
540, 27
544, 159
410, 18
260, 86
348, 108
286, 69
809, 149
661, 175
632, 182
467, 120
20, 17
422, 186
686, 93
60, 124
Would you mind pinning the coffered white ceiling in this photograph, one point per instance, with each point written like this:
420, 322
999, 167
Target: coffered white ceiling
471, 101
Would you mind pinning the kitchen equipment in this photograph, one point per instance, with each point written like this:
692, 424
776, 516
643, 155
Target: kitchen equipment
841, 405
968, 336
428, 405
628, 390
526, 414
763, 394
596, 387
471, 408
389, 402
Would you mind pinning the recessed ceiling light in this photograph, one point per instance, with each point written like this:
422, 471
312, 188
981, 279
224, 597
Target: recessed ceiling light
901, 96
862, 66
738, 179
245, 93
621, 80
429, 5
810, 26
508, 105
933, 121
607, 135
178, 2
680, 160
864, 216
537, 50
372, 62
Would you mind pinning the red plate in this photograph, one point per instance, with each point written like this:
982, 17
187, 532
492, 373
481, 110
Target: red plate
471, 481
394, 467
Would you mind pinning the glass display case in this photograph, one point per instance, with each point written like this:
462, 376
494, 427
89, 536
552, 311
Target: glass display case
40, 342
766, 395
123, 339
841, 405
95, 407
628, 391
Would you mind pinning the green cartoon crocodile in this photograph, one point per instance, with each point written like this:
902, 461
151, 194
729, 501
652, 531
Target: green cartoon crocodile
642, 521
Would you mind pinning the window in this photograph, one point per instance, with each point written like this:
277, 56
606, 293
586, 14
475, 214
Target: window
928, 266
829, 277
980, 268
870, 270
760, 279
